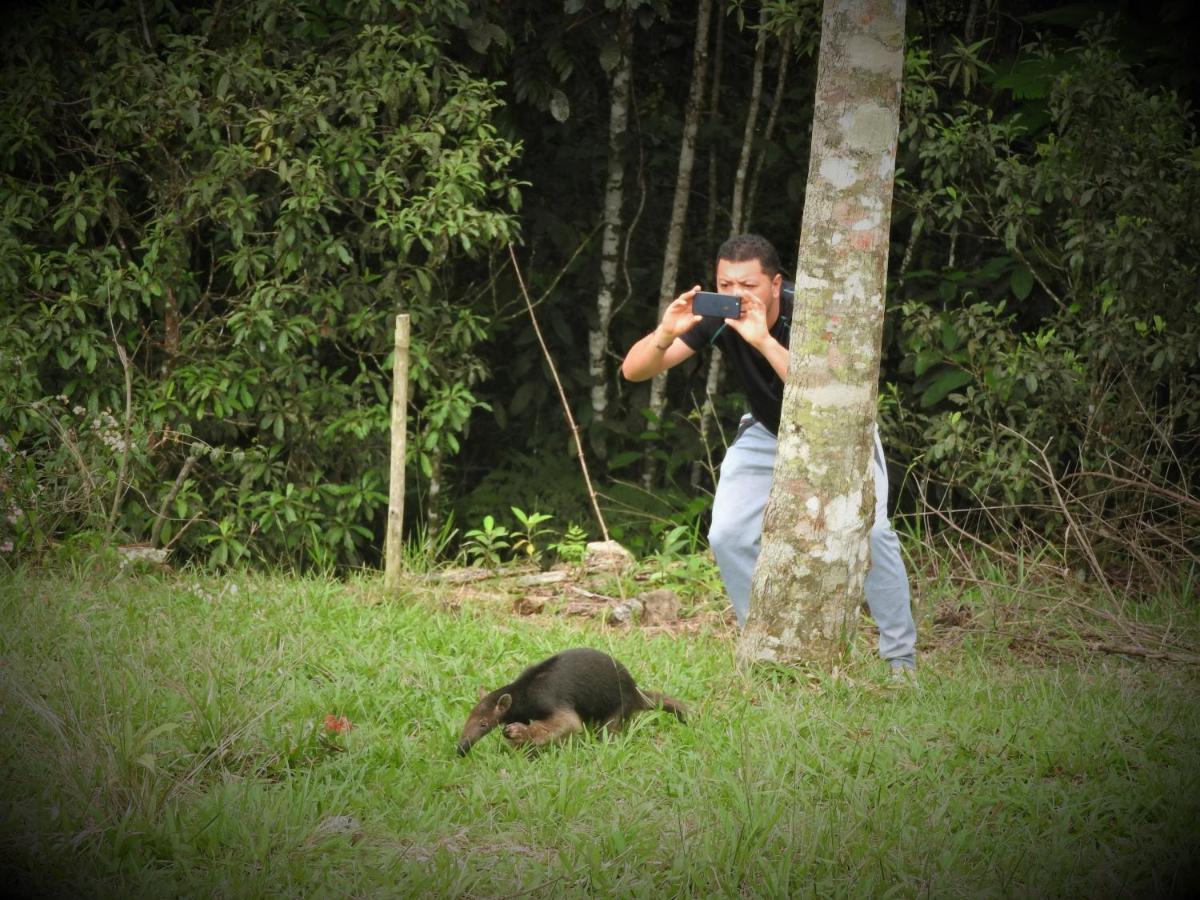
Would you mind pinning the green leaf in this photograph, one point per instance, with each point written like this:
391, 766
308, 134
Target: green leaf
621, 460
926, 360
560, 106
521, 398
948, 381
424, 281
1020, 282
500, 415
949, 335
610, 55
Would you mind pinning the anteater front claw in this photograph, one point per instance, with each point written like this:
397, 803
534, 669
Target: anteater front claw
517, 732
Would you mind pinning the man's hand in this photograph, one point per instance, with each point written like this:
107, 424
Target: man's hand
752, 324
677, 318
659, 350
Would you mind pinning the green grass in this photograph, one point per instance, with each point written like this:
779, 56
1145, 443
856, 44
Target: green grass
162, 737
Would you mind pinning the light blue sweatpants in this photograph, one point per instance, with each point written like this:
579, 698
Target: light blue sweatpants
736, 537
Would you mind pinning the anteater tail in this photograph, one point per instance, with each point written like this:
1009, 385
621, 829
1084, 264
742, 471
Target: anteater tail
659, 700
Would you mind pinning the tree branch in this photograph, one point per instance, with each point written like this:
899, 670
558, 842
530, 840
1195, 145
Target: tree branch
561, 393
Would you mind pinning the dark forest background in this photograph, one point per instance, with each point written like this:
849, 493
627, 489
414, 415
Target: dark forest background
213, 212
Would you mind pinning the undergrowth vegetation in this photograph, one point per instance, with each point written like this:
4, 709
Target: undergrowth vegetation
172, 734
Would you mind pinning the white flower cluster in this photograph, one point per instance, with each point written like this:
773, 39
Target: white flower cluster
105, 427
13, 516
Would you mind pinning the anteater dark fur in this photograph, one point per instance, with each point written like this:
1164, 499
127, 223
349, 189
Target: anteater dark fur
558, 696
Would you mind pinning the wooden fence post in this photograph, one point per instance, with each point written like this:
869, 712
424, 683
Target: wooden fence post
394, 546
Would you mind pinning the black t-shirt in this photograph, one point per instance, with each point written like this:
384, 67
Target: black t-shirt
764, 388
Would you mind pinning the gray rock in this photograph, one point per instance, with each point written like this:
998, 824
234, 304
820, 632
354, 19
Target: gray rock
659, 606
607, 556
626, 612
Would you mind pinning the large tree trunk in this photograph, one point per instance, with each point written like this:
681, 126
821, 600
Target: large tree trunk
679, 206
614, 197
808, 585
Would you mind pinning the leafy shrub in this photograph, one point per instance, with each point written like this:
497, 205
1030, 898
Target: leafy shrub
236, 202
1055, 349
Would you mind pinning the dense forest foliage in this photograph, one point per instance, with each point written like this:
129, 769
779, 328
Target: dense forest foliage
212, 213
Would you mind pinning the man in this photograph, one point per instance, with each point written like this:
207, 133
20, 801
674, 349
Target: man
756, 345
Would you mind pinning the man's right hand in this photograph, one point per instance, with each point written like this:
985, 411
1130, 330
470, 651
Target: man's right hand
678, 316
659, 350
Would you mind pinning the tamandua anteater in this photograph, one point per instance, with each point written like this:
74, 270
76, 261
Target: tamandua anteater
556, 697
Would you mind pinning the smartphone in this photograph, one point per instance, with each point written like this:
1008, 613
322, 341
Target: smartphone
717, 306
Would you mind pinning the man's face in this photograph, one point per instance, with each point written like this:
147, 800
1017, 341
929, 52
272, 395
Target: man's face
748, 277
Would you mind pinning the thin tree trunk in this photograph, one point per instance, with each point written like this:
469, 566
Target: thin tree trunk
969, 29
123, 467
913, 237
737, 204
785, 55
164, 507
712, 382
171, 323
808, 584
614, 196
714, 111
683, 186
433, 511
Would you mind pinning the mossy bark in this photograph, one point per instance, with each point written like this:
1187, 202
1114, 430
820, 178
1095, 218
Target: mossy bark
808, 584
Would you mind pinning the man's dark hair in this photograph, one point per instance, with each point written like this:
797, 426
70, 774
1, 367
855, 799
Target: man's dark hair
745, 247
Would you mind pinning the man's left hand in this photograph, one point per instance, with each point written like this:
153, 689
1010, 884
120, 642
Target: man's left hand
752, 324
